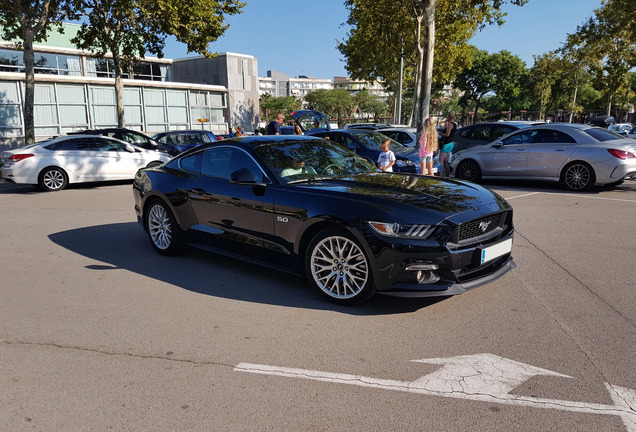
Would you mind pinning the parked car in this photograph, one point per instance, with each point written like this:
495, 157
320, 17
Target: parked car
406, 135
175, 142
632, 133
352, 230
482, 133
372, 126
578, 156
55, 163
128, 135
368, 144
620, 128
602, 121
311, 121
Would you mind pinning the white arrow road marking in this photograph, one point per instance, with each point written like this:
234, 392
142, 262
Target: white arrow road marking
478, 374
481, 377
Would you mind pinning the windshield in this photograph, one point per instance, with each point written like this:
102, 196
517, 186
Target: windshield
311, 160
373, 140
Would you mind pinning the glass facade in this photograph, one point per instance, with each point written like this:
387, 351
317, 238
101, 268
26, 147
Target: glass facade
65, 107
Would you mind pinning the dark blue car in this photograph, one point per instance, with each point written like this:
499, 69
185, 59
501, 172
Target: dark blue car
176, 142
368, 144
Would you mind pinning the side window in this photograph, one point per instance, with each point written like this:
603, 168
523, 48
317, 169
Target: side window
552, 136
192, 163
523, 137
78, 145
108, 145
482, 133
466, 132
500, 130
223, 161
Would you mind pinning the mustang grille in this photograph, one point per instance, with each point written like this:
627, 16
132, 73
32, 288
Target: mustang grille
479, 227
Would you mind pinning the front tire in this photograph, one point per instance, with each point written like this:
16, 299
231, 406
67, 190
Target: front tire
578, 176
163, 231
338, 267
469, 170
52, 179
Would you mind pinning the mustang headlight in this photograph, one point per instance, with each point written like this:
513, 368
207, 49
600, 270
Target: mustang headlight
391, 229
402, 163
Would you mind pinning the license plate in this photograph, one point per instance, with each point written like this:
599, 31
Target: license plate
495, 251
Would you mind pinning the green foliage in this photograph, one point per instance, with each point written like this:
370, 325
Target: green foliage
30, 21
370, 103
383, 30
336, 103
129, 29
270, 106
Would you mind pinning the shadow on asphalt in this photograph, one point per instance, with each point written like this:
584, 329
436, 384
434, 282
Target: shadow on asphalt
11, 188
125, 246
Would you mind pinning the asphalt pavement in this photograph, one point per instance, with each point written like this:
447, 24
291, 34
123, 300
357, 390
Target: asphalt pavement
100, 333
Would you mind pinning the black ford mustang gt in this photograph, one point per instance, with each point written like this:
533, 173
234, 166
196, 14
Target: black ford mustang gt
308, 206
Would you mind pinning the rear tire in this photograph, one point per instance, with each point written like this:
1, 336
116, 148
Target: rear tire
163, 231
578, 176
337, 266
52, 179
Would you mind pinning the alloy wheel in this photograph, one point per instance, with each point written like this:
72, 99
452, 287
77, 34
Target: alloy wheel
159, 226
339, 267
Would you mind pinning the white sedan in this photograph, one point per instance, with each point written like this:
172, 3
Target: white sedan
55, 163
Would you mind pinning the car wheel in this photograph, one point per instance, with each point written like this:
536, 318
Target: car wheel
52, 179
469, 170
336, 264
578, 176
164, 233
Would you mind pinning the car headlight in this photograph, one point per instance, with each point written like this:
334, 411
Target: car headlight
391, 229
402, 163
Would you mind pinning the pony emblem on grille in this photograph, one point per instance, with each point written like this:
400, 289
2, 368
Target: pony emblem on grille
483, 226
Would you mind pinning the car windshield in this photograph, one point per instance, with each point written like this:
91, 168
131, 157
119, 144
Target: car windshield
373, 140
603, 134
307, 160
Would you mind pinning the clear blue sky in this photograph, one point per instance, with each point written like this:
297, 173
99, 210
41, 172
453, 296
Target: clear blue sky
298, 37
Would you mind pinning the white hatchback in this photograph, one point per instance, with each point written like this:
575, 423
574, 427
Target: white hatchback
55, 163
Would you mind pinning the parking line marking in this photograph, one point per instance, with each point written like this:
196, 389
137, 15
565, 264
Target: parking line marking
572, 195
524, 195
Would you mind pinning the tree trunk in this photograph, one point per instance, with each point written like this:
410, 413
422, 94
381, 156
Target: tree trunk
29, 86
119, 92
576, 90
428, 54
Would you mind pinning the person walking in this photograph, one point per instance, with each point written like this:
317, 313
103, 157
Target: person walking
273, 128
428, 146
447, 144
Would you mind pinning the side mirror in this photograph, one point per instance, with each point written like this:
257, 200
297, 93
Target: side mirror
244, 176
497, 144
130, 149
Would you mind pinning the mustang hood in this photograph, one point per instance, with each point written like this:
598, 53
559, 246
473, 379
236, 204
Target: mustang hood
407, 196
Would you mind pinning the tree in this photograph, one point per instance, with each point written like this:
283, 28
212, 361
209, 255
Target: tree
128, 29
30, 21
382, 30
270, 105
608, 41
370, 103
336, 103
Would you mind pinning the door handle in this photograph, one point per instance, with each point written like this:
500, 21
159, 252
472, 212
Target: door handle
198, 190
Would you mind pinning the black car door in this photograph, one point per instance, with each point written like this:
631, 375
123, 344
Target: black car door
232, 215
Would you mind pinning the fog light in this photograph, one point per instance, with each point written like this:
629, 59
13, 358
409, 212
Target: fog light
426, 277
420, 266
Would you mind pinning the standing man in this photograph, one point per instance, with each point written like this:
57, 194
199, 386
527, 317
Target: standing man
273, 128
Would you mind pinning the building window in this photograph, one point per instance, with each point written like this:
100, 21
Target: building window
10, 118
44, 63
